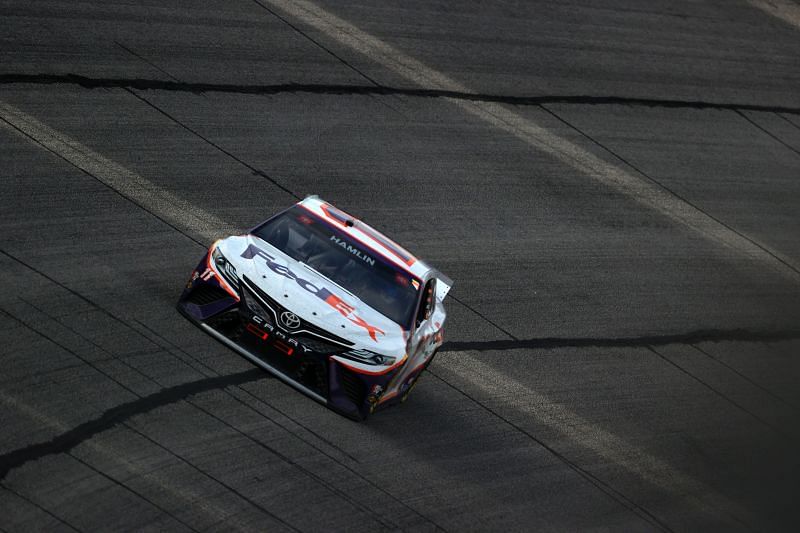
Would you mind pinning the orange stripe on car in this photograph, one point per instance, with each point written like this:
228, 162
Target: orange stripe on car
220, 279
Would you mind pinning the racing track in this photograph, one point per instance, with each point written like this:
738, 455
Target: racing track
614, 187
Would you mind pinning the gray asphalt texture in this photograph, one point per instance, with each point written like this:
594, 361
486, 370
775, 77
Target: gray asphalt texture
605, 368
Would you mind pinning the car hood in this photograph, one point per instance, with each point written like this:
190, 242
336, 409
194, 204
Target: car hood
311, 296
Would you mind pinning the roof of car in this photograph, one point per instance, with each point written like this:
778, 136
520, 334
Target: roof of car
369, 236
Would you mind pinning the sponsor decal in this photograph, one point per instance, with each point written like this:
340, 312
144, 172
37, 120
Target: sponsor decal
375, 394
207, 274
333, 213
353, 250
345, 309
290, 320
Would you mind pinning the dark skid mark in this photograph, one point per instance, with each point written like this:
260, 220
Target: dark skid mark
70, 439
693, 337
198, 88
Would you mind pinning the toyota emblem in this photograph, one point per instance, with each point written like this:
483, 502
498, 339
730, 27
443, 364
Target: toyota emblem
290, 320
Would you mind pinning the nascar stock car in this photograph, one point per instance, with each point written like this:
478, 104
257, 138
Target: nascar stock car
325, 303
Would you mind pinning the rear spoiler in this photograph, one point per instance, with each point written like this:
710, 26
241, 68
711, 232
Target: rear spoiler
443, 285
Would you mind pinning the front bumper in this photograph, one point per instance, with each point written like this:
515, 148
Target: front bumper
302, 361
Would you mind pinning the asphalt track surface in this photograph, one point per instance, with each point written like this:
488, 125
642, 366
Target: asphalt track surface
614, 187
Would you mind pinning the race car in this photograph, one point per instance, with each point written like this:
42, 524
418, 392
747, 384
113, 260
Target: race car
324, 302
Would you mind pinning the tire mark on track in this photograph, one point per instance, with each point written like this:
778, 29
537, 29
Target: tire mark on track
146, 84
692, 337
118, 414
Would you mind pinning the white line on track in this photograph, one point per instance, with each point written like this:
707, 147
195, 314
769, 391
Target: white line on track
786, 10
467, 367
526, 129
143, 192
538, 410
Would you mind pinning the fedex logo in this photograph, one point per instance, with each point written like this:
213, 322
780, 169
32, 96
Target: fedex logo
345, 309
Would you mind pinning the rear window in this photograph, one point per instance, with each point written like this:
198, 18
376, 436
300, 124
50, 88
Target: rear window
305, 237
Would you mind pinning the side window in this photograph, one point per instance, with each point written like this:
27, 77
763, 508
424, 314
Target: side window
426, 305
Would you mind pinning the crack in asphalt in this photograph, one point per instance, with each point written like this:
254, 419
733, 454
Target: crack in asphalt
117, 415
352, 89
114, 416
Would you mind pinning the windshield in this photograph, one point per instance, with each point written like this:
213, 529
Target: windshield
305, 237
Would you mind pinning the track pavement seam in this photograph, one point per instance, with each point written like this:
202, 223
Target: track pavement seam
317, 43
132, 187
38, 506
217, 480
133, 491
777, 256
745, 377
111, 355
767, 132
254, 170
788, 120
535, 406
607, 489
145, 60
722, 395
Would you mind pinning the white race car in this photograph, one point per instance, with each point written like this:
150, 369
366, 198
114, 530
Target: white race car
324, 302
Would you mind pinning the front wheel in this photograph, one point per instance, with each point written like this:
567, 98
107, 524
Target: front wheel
404, 397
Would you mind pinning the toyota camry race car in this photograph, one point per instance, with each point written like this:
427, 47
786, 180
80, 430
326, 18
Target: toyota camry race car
325, 303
